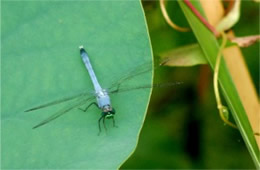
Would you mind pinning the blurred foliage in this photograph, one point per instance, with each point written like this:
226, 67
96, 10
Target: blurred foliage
250, 14
183, 128
188, 55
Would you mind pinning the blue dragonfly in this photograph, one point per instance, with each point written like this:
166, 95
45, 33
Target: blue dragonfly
103, 101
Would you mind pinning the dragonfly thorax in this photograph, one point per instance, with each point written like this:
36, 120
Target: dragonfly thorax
103, 100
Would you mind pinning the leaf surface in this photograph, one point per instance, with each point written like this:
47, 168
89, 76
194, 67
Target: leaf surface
41, 63
188, 55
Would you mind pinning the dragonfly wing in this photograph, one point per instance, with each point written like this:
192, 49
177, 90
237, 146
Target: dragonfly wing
148, 86
139, 70
62, 112
58, 101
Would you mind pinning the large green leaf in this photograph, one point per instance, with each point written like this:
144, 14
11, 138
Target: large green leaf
41, 63
210, 47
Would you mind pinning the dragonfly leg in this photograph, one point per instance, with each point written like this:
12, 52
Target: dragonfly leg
84, 110
114, 123
99, 127
104, 123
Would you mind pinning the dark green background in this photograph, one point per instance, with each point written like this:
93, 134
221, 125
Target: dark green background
183, 128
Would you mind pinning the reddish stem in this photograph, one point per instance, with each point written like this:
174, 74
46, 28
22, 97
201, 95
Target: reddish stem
201, 18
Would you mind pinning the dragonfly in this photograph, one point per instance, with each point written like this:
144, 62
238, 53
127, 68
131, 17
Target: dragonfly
103, 101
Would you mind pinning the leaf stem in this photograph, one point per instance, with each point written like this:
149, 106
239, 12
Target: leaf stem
201, 18
222, 109
169, 21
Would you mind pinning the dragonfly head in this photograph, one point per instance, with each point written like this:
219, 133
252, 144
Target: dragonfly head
108, 112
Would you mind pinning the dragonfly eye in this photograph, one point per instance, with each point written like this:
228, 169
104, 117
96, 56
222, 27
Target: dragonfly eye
113, 111
107, 115
108, 108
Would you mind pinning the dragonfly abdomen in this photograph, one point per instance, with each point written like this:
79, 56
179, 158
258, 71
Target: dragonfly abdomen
91, 72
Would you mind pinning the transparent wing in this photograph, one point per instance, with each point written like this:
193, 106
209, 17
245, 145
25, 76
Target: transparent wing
149, 86
59, 101
63, 111
139, 70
